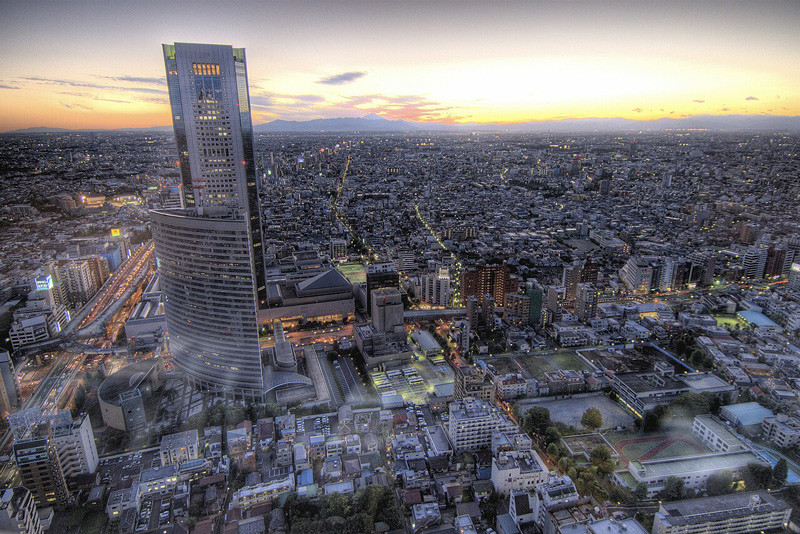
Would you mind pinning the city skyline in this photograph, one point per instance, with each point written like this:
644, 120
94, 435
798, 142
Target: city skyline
439, 62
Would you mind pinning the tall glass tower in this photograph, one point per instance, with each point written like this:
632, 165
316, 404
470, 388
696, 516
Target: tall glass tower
210, 254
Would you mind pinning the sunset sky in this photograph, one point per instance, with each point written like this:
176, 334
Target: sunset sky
98, 64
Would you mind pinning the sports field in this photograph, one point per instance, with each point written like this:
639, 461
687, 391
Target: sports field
536, 365
642, 447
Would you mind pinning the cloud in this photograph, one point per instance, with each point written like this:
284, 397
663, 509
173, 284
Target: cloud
416, 108
89, 85
136, 79
153, 99
637, 110
751, 98
75, 106
725, 109
343, 78
5, 86
280, 101
699, 101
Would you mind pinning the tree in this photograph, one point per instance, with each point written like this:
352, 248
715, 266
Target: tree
640, 491
592, 419
689, 405
673, 489
601, 453
552, 434
601, 459
489, 507
756, 476
779, 474
720, 483
536, 420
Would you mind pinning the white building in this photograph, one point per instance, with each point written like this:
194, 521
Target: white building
472, 423
518, 470
18, 512
715, 435
694, 471
435, 288
74, 440
782, 430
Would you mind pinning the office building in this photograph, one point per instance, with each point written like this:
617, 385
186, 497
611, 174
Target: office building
743, 513
18, 512
39, 468
536, 294
754, 262
122, 394
387, 311
380, 276
210, 253
570, 277
794, 277
338, 249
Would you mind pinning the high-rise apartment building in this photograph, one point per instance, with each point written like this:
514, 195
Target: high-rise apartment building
436, 288
74, 441
210, 253
586, 301
494, 280
18, 512
518, 308
473, 422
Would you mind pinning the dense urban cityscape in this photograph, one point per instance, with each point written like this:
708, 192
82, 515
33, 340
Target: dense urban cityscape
369, 326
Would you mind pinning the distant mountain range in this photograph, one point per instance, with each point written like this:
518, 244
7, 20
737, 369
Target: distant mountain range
48, 129
376, 123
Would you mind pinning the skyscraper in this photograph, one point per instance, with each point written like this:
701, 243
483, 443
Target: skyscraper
210, 253
9, 390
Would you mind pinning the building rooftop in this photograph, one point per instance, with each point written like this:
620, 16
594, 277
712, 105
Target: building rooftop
708, 509
694, 464
179, 439
746, 413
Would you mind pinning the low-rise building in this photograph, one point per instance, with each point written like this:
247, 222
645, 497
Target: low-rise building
248, 497
738, 512
715, 435
518, 470
694, 471
179, 447
782, 430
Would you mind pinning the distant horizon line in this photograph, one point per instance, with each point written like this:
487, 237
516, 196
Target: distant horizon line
433, 122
